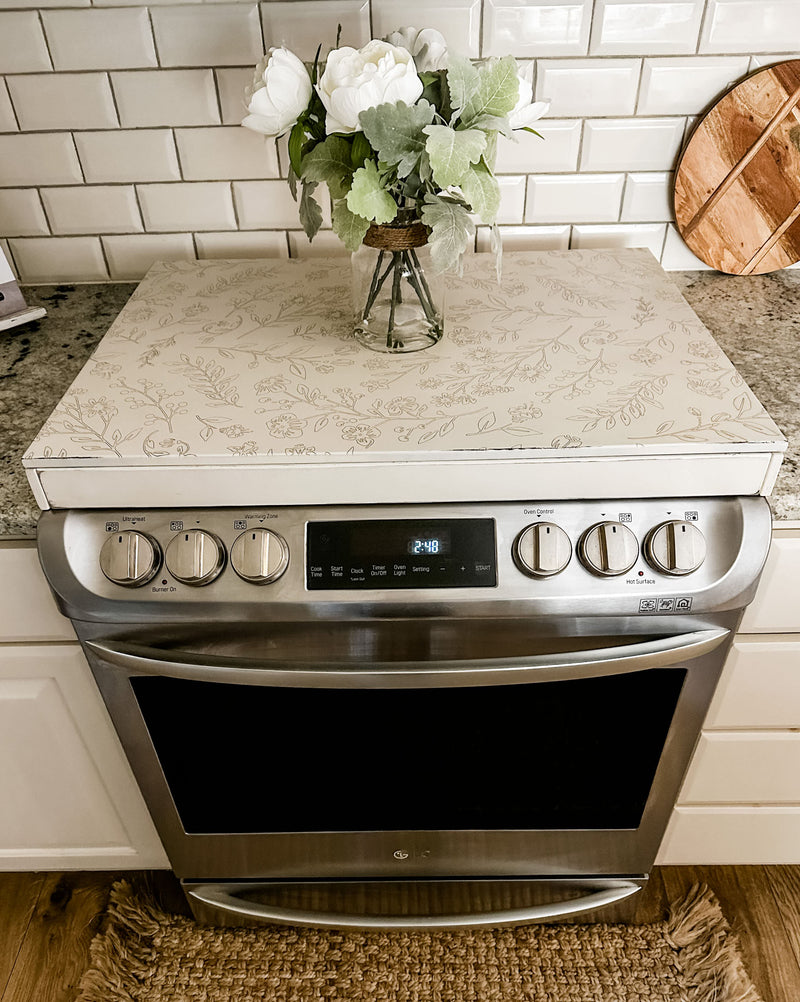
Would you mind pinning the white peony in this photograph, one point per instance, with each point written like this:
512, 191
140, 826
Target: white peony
427, 46
281, 93
524, 112
357, 79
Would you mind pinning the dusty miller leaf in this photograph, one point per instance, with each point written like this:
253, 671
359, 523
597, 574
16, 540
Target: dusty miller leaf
347, 226
498, 90
395, 132
330, 162
310, 211
451, 231
463, 81
368, 197
482, 191
452, 152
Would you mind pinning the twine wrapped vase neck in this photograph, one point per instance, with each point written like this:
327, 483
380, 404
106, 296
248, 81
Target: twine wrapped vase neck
396, 238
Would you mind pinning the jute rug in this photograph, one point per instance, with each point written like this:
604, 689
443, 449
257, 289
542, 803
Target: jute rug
146, 955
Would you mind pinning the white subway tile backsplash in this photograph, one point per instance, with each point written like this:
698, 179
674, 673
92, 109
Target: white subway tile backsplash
59, 259
128, 155
8, 121
231, 84
207, 35
324, 244
536, 27
130, 257
512, 199
92, 209
580, 198
769, 59
38, 158
181, 207
647, 198
21, 213
241, 245
631, 144
677, 256
621, 235
268, 205
637, 27
557, 150
583, 87
165, 97
687, 86
22, 44
750, 25
99, 39
229, 152
524, 238
458, 20
63, 101
303, 25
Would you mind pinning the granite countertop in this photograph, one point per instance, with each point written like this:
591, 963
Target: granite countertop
756, 320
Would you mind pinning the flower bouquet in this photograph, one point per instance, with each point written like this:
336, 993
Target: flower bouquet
404, 134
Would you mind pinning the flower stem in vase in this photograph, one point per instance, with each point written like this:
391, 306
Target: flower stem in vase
397, 261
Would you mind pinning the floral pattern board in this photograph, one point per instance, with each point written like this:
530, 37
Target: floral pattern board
574, 353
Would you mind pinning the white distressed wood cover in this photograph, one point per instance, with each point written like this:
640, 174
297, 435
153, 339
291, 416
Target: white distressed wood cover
584, 372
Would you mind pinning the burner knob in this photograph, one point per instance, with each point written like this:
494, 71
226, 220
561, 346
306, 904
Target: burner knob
259, 556
195, 557
675, 548
542, 550
130, 558
608, 549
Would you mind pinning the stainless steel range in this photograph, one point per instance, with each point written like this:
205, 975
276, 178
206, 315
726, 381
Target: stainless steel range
417, 641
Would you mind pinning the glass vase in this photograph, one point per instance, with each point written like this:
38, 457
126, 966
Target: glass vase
398, 303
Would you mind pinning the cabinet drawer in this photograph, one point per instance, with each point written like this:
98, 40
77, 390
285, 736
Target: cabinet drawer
760, 685
775, 608
730, 836
735, 767
28, 610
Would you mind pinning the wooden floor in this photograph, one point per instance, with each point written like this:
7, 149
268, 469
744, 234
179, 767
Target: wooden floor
47, 921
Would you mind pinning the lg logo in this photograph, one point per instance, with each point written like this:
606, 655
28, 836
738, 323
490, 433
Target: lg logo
402, 854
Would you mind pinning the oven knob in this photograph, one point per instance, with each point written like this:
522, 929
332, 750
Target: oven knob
608, 549
259, 556
675, 548
130, 558
542, 550
195, 557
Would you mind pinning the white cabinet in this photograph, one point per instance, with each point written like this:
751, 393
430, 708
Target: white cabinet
69, 798
740, 800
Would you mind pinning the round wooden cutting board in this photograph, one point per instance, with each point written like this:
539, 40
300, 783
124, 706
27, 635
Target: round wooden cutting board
737, 187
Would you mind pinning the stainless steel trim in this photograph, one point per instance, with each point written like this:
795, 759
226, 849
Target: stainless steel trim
223, 896
659, 653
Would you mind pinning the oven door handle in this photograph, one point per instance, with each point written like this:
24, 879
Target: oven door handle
224, 897
662, 652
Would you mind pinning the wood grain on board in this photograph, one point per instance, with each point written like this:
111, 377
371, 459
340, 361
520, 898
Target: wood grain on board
737, 187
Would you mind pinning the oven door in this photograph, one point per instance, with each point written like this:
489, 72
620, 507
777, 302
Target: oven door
363, 750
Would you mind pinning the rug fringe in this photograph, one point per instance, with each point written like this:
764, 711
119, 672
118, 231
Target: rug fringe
705, 945
121, 954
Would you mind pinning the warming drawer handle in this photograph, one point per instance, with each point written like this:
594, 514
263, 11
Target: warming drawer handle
661, 652
223, 896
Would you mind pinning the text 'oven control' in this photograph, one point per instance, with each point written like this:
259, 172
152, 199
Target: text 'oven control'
608, 549
195, 557
259, 556
542, 550
130, 558
675, 548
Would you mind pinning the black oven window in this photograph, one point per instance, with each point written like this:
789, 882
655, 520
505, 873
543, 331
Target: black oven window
552, 755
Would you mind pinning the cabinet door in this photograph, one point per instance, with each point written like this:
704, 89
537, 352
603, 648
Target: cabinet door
775, 608
69, 798
744, 767
731, 836
28, 610
760, 685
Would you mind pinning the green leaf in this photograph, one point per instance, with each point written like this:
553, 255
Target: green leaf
360, 150
497, 93
330, 162
310, 211
452, 152
348, 227
291, 180
482, 191
369, 198
463, 81
451, 231
296, 139
493, 123
395, 132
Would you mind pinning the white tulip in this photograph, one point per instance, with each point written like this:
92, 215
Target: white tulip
524, 112
357, 79
281, 92
428, 47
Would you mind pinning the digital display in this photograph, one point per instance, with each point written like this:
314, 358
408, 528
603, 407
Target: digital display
429, 545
